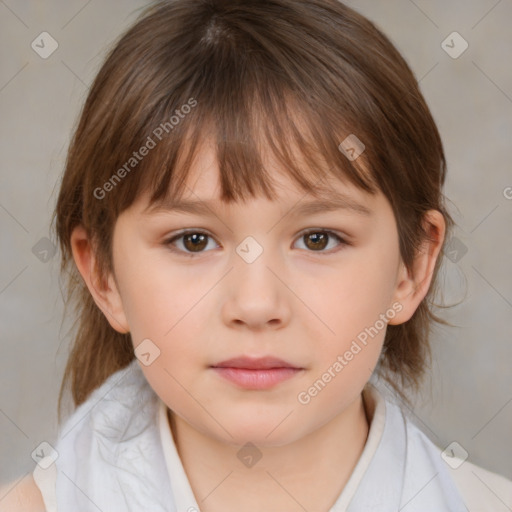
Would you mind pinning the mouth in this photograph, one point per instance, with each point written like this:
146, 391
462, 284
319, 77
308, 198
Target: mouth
256, 373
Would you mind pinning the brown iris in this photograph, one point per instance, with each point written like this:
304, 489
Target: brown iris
195, 242
319, 240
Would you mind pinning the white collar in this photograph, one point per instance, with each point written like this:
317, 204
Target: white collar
113, 456
375, 407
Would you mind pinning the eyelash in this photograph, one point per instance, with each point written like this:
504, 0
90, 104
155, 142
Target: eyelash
169, 242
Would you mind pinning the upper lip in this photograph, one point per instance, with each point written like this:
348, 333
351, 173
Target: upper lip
252, 363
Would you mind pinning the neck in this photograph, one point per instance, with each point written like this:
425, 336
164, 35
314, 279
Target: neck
309, 473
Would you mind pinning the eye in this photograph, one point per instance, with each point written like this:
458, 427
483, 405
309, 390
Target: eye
318, 240
189, 242
192, 242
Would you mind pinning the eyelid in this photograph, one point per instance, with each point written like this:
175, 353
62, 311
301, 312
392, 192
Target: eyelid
343, 239
181, 233
343, 236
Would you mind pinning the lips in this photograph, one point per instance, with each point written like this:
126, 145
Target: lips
256, 373
260, 363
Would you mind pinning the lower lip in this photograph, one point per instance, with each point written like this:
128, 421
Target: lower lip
257, 379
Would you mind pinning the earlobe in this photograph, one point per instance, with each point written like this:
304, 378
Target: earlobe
102, 288
413, 285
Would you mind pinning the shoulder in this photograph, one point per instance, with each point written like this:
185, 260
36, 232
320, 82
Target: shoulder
21, 496
482, 489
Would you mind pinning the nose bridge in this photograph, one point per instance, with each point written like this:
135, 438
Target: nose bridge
254, 259
256, 296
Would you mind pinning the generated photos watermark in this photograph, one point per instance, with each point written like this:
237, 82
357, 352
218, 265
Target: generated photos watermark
304, 397
137, 156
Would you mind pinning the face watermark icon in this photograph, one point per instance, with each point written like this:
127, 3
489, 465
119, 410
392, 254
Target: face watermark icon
44, 45
146, 352
455, 249
44, 250
249, 249
454, 45
44, 455
507, 192
352, 147
454, 455
249, 454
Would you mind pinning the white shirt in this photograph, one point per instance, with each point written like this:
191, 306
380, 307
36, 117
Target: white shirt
480, 489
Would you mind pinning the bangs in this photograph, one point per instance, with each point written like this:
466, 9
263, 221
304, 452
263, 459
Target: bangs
252, 112
244, 146
248, 132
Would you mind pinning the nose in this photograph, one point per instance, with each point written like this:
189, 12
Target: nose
255, 295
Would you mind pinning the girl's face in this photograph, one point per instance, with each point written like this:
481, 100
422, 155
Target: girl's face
261, 279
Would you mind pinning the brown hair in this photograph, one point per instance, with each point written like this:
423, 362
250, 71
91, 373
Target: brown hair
293, 76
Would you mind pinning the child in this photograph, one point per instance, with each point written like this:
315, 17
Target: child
253, 201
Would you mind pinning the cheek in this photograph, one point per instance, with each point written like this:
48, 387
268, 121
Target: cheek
177, 371
348, 299
159, 297
344, 366
356, 305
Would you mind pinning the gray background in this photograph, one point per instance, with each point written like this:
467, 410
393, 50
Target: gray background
470, 398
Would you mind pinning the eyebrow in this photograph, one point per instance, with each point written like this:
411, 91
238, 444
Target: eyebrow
208, 208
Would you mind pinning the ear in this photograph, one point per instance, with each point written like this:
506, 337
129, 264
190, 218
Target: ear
102, 288
412, 287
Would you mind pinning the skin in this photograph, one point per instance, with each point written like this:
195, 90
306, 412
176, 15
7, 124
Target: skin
296, 302
21, 495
